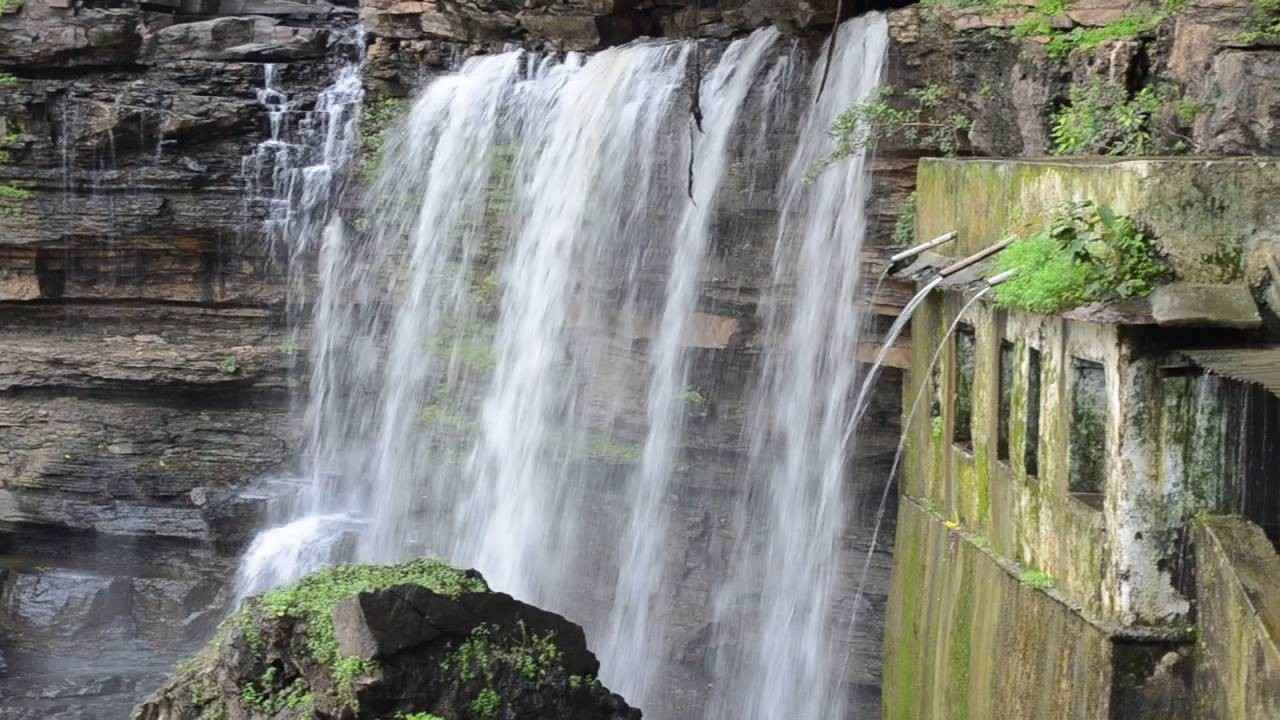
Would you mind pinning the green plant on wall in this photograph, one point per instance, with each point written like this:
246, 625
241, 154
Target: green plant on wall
923, 117
1263, 24
1101, 119
1062, 43
1085, 254
904, 228
377, 120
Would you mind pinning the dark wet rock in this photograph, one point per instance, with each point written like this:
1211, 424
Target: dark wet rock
463, 651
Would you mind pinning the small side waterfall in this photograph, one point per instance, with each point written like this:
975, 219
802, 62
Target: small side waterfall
500, 352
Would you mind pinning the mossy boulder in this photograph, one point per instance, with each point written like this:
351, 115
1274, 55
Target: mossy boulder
418, 640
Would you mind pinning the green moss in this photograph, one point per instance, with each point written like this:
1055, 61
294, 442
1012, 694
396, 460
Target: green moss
606, 448
1037, 579
469, 343
1086, 254
377, 120
904, 228
1223, 265
440, 416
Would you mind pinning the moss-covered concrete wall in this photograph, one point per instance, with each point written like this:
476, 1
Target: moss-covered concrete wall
1111, 556
1237, 673
1211, 215
968, 640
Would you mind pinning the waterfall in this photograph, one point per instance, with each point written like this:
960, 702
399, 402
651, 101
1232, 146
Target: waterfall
780, 593
635, 630
500, 346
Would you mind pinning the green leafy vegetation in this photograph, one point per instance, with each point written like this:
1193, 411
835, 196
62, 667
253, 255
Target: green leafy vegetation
1101, 119
904, 228
260, 695
484, 655
486, 704
418, 716
377, 119
1086, 254
310, 602
1263, 24
1063, 43
12, 197
229, 366
922, 117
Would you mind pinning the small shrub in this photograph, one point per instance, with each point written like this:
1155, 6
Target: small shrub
229, 365
535, 657
1101, 119
1086, 254
486, 704
925, 119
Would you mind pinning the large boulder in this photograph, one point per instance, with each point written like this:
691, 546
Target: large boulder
419, 640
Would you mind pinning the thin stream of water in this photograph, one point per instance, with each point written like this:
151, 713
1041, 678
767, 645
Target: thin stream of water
902, 441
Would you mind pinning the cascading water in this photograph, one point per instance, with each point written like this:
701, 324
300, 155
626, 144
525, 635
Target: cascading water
474, 372
635, 631
295, 177
784, 570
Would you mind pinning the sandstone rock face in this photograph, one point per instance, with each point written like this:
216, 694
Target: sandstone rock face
146, 367
374, 642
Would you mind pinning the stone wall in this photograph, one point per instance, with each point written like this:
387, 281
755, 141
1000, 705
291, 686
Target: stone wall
1238, 660
969, 636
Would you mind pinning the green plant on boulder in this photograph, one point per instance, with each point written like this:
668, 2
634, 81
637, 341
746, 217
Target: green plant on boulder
925, 118
1085, 254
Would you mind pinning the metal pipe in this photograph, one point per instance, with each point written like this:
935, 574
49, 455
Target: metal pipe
912, 252
995, 280
975, 258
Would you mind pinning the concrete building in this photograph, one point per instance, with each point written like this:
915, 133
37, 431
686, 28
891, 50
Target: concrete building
1089, 499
